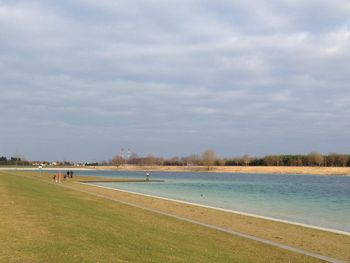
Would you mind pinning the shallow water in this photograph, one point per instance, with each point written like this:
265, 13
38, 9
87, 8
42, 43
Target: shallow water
322, 201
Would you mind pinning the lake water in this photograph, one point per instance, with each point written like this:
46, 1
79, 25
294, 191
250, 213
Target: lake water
322, 201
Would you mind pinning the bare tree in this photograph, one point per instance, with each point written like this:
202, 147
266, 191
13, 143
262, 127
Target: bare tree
134, 158
246, 160
117, 160
271, 160
315, 158
192, 159
208, 158
342, 160
150, 160
332, 159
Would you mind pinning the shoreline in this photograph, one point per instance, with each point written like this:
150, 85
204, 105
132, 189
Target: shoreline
297, 170
336, 171
341, 232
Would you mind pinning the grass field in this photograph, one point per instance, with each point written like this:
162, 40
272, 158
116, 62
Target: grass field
43, 222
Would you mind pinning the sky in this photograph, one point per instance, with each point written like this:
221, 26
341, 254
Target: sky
80, 80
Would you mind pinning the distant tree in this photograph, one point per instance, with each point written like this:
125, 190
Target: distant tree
208, 158
272, 160
150, 160
331, 159
160, 161
256, 161
220, 162
342, 160
268, 160
235, 161
104, 163
315, 159
288, 160
117, 160
134, 158
245, 160
230, 162
177, 161
3, 160
298, 161
192, 159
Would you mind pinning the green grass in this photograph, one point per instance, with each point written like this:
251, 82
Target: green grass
42, 222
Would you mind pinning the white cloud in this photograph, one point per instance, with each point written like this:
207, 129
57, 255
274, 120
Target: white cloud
151, 69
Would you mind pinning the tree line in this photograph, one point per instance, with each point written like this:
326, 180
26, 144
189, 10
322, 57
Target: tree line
23, 162
13, 161
209, 158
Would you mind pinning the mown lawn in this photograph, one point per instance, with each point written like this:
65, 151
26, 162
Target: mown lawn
42, 222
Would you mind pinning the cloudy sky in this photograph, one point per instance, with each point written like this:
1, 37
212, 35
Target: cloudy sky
80, 80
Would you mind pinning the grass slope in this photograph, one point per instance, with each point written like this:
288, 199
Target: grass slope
41, 222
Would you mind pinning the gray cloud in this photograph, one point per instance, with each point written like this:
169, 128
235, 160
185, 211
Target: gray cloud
82, 79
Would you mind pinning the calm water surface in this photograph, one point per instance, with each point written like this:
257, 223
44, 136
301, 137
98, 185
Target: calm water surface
310, 199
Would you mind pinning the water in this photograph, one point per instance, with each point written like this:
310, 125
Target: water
322, 201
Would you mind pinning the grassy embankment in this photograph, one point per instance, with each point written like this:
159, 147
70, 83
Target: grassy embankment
43, 222
236, 169
321, 242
